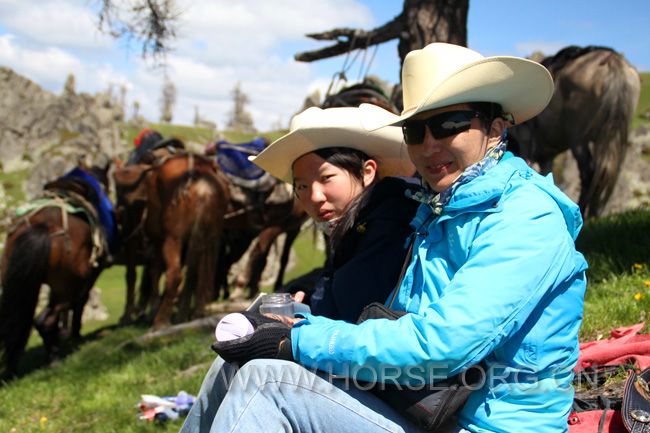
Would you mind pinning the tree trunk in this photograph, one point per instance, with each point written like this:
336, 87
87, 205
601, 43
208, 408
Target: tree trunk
427, 21
420, 23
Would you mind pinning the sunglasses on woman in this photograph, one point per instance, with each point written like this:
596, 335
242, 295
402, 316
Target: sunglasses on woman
441, 125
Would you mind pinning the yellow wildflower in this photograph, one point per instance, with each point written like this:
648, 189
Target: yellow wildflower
42, 421
638, 296
647, 283
637, 266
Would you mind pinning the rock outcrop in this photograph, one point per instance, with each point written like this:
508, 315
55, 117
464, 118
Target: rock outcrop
46, 133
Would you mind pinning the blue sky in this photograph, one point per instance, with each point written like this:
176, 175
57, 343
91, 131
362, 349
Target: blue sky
222, 42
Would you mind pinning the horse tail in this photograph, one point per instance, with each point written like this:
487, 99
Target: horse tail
203, 245
608, 129
21, 283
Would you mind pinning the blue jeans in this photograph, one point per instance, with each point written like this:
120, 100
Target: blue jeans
279, 396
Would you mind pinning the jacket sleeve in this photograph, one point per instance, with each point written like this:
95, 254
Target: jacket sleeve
519, 254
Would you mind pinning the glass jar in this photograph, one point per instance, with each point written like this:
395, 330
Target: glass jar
277, 303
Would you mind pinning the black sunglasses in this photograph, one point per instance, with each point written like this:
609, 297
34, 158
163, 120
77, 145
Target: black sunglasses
441, 125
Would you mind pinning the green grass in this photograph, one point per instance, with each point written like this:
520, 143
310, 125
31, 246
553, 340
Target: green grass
97, 388
615, 243
13, 185
618, 289
308, 257
189, 134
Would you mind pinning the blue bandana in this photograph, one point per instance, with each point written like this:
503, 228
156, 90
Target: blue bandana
437, 201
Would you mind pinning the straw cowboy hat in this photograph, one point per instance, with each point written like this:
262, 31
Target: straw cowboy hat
440, 75
317, 128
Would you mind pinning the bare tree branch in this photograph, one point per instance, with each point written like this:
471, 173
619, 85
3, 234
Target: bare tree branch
351, 39
152, 23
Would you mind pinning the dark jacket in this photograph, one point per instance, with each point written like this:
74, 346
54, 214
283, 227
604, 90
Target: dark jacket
368, 260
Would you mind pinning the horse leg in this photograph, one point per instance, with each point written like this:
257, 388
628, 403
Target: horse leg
47, 323
237, 247
131, 275
172, 256
152, 299
258, 257
284, 259
585, 162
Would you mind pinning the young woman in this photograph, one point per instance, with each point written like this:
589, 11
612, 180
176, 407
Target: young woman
344, 176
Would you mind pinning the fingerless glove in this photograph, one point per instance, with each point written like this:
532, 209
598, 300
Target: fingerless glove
270, 339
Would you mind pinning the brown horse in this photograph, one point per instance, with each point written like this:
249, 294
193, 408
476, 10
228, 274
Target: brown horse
56, 242
596, 93
186, 200
262, 225
131, 215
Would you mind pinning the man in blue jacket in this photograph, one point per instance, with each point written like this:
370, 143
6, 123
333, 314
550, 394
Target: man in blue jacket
493, 278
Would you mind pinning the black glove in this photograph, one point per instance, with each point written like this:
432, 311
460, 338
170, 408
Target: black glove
270, 339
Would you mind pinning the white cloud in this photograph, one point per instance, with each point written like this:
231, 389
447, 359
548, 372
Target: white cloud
60, 23
247, 31
220, 43
47, 66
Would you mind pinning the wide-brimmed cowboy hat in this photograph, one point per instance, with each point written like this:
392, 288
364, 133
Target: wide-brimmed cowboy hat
317, 128
440, 75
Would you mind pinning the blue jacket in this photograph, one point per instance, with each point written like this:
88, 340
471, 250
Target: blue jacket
496, 278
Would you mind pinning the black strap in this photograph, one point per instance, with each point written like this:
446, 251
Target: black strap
405, 265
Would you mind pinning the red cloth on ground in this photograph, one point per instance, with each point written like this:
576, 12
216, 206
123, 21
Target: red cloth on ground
624, 345
587, 422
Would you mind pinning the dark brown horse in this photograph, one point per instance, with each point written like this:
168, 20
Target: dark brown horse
57, 242
596, 93
261, 208
186, 201
260, 226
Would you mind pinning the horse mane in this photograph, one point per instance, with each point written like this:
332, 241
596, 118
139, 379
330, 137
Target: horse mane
567, 54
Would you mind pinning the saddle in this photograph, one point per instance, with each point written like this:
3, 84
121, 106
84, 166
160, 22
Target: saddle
232, 158
72, 196
149, 153
250, 185
73, 189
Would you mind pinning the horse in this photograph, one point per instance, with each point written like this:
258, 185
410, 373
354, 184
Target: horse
261, 225
261, 208
596, 93
56, 240
186, 201
131, 215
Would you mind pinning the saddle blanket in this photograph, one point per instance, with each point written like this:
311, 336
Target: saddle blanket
233, 158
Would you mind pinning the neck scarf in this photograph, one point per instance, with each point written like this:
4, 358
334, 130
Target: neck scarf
327, 227
437, 201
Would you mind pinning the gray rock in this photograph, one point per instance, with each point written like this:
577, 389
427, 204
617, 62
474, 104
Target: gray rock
47, 133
